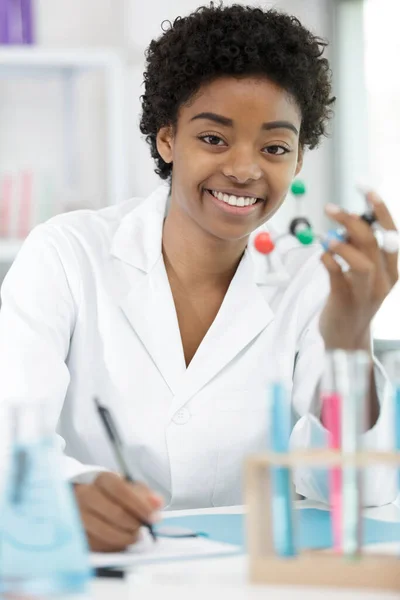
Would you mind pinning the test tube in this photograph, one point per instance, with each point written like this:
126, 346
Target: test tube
282, 506
391, 364
331, 417
350, 372
353, 370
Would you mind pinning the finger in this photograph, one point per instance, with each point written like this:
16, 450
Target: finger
95, 501
106, 534
358, 232
156, 501
336, 275
358, 262
362, 236
381, 211
96, 545
134, 498
385, 220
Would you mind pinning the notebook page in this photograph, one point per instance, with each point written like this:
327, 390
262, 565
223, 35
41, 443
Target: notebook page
163, 549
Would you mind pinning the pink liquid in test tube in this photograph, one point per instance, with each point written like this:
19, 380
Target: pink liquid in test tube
25, 204
331, 417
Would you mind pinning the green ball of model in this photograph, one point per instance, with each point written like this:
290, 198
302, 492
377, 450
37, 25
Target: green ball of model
298, 188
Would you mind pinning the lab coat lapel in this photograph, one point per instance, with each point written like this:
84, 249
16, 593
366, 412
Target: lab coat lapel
148, 304
150, 309
243, 315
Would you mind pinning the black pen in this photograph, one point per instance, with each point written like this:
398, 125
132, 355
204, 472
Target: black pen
117, 445
109, 572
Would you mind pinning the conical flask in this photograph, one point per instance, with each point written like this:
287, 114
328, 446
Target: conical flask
43, 550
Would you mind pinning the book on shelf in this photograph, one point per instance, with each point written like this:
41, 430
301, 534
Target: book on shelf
27, 198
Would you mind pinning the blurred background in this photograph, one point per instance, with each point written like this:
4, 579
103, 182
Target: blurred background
71, 75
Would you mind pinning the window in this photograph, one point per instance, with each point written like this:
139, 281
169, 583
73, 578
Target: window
382, 52
367, 123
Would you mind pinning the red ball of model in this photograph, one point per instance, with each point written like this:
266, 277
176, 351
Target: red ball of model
263, 243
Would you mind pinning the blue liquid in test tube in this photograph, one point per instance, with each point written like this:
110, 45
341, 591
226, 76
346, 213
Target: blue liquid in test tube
397, 423
282, 510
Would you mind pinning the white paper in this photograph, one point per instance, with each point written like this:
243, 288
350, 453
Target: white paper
163, 549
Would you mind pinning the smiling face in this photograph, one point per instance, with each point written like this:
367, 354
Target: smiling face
235, 151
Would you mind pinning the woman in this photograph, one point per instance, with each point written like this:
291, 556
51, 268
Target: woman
163, 312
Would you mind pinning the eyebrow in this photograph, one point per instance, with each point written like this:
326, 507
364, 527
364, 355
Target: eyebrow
210, 116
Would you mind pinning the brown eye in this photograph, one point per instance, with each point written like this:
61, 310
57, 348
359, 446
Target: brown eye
212, 140
277, 150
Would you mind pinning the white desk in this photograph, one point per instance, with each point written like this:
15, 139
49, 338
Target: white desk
222, 578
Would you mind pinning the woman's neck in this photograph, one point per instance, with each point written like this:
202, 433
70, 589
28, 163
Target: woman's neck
198, 258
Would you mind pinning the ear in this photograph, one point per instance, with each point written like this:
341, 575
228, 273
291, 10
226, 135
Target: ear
165, 143
299, 161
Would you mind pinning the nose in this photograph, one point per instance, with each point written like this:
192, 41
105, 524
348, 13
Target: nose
241, 165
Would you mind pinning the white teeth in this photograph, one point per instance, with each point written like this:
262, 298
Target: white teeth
234, 200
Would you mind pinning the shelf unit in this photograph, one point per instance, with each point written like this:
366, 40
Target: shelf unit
22, 61
35, 56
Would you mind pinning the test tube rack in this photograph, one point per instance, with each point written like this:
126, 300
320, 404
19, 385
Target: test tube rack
317, 568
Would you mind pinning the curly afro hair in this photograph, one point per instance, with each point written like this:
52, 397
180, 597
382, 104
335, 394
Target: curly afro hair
238, 41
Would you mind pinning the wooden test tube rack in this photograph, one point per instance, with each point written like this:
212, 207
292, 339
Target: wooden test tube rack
310, 567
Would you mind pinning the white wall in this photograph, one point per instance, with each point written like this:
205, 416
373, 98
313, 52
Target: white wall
37, 135
69, 23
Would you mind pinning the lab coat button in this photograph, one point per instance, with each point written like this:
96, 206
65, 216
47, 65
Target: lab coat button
181, 417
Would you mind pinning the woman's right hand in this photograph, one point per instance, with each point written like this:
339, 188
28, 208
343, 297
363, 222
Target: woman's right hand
112, 511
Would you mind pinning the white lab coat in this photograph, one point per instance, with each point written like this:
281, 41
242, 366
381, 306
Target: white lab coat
87, 311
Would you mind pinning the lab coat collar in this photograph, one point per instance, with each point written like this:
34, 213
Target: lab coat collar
149, 305
137, 240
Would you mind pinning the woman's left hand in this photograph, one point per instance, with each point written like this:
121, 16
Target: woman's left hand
357, 294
